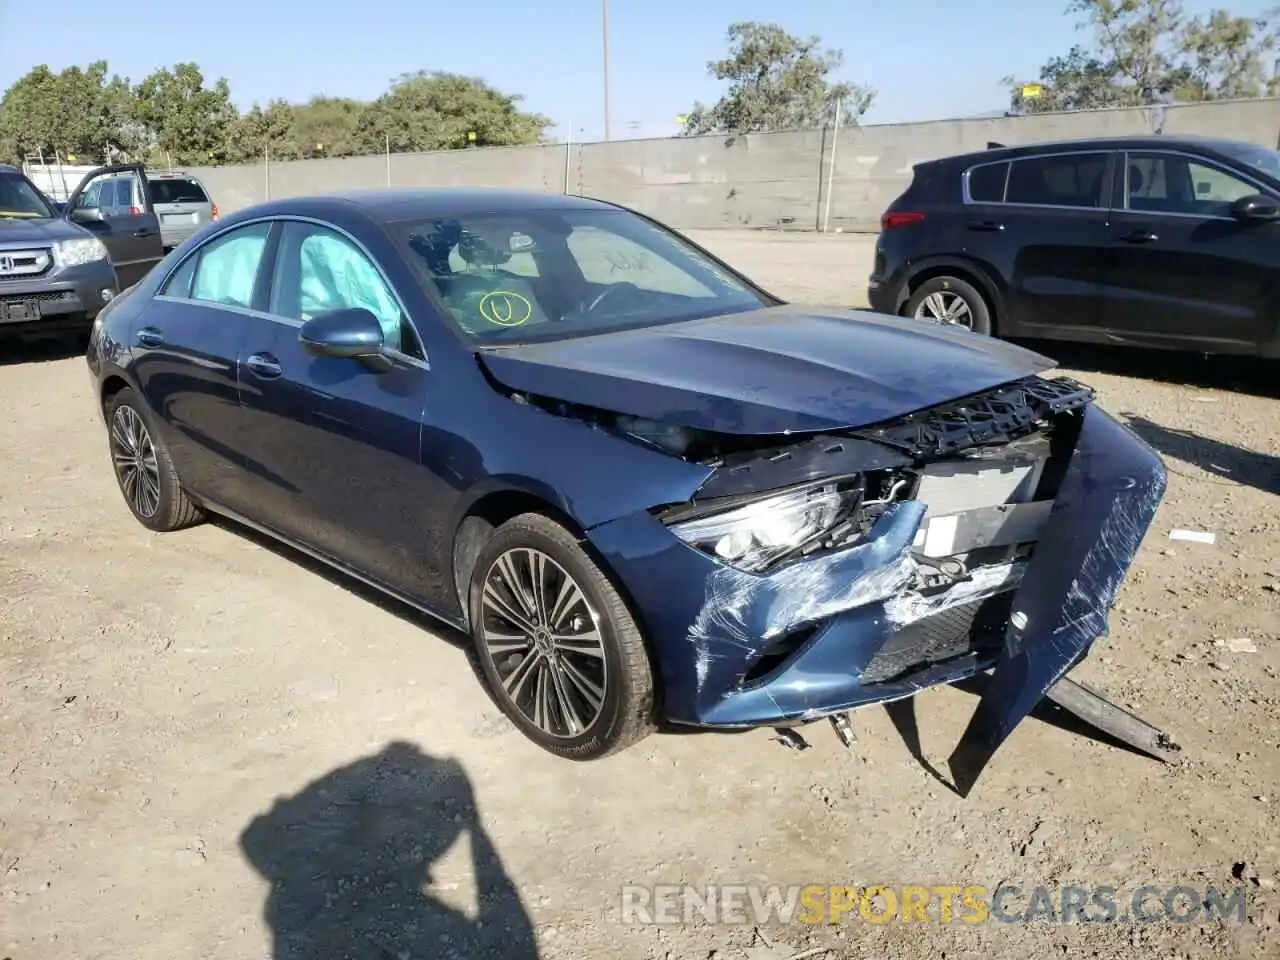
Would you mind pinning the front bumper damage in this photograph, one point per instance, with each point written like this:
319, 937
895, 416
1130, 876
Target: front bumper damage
852, 627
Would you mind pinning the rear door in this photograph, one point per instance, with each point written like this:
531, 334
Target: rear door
1052, 229
185, 349
1180, 271
111, 202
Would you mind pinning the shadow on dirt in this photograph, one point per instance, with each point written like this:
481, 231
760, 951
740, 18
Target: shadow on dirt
1237, 374
349, 861
1226, 460
14, 352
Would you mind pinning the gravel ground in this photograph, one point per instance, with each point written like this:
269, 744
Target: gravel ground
210, 748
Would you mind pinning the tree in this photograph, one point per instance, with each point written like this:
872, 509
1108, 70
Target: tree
776, 82
186, 119
1148, 52
438, 111
327, 126
75, 112
260, 132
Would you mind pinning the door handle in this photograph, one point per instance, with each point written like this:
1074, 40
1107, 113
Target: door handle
987, 225
150, 337
144, 232
264, 365
1138, 236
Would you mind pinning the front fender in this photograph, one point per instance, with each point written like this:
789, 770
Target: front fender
591, 474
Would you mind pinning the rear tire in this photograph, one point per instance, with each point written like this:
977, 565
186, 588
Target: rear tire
950, 300
143, 468
565, 661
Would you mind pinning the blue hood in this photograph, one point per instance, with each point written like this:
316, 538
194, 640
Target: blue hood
770, 371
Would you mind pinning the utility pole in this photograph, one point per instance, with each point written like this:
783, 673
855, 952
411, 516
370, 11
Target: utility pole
604, 50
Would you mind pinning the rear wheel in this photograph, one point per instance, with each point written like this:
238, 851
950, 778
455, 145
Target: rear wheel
950, 300
143, 468
557, 644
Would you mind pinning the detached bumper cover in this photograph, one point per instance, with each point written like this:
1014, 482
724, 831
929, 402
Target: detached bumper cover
848, 614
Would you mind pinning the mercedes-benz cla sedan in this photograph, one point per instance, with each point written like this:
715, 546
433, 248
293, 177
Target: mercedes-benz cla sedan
648, 489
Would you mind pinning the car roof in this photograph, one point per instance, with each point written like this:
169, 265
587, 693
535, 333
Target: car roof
8, 168
998, 152
399, 204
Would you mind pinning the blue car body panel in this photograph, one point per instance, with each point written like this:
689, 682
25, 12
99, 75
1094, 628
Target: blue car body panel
377, 472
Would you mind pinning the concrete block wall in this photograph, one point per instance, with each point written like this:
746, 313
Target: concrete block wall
776, 181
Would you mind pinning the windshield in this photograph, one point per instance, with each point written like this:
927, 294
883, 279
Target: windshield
20, 199
553, 274
1260, 158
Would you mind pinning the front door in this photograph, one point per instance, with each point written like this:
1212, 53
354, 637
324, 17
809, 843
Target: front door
186, 349
335, 446
1179, 270
112, 204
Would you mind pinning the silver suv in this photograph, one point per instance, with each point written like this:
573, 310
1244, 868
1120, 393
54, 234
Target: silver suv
181, 203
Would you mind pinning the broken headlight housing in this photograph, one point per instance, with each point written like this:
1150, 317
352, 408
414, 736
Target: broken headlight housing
756, 534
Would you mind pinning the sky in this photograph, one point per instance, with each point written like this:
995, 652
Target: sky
927, 59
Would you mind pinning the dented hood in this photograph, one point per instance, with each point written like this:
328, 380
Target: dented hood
768, 371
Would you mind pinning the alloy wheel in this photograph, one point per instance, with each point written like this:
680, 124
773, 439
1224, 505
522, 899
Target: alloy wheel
544, 641
946, 308
134, 457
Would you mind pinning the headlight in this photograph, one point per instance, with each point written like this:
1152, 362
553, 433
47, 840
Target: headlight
73, 253
751, 537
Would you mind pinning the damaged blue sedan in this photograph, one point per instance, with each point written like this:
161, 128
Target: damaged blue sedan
648, 490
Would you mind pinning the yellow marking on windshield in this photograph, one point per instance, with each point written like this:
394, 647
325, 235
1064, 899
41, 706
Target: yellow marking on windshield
505, 309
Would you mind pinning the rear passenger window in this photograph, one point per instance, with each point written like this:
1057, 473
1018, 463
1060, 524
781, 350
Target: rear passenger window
1071, 180
226, 269
986, 183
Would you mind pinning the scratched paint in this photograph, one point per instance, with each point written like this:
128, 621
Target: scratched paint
746, 611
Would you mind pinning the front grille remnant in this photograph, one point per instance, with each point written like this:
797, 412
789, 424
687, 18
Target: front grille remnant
994, 416
976, 627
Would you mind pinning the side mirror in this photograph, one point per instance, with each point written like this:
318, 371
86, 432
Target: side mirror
351, 334
86, 215
1256, 207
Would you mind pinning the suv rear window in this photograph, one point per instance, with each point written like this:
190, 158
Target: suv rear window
176, 191
986, 183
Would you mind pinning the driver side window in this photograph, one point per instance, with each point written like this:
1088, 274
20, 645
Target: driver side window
318, 270
89, 199
606, 258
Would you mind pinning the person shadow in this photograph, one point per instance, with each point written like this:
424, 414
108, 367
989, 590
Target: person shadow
349, 862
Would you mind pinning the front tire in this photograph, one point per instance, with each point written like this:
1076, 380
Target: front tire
143, 468
556, 643
950, 300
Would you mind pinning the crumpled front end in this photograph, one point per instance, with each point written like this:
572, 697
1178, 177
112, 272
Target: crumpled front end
990, 533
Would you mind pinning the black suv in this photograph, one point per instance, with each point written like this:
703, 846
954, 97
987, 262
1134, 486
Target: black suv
1156, 241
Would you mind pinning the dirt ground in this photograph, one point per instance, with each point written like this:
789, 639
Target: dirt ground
212, 749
